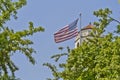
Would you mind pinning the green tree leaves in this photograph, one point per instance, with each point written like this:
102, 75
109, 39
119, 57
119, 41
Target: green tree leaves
11, 41
99, 57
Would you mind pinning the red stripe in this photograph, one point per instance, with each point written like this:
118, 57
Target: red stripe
62, 30
66, 27
61, 40
63, 33
66, 36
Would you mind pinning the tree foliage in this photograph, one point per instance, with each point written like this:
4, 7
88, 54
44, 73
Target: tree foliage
99, 57
11, 41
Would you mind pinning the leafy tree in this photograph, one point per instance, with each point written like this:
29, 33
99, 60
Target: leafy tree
9, 78
99, 57
53, 68
11, 41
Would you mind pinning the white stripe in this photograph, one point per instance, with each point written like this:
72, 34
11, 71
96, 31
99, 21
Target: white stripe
66, 37
63, 29
61, 40
66, 34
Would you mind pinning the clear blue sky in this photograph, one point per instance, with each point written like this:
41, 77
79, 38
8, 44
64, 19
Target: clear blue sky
52, 15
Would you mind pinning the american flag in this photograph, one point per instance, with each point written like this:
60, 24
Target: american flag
67, 32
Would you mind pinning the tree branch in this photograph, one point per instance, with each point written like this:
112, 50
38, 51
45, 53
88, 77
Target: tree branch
114, 19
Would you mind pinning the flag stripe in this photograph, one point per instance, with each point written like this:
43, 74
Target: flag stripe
67, 32
62, 30
61, 40
67, 36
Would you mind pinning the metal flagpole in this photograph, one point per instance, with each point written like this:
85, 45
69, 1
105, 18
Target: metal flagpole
80, 29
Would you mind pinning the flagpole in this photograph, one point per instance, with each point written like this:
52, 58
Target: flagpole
80, 28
